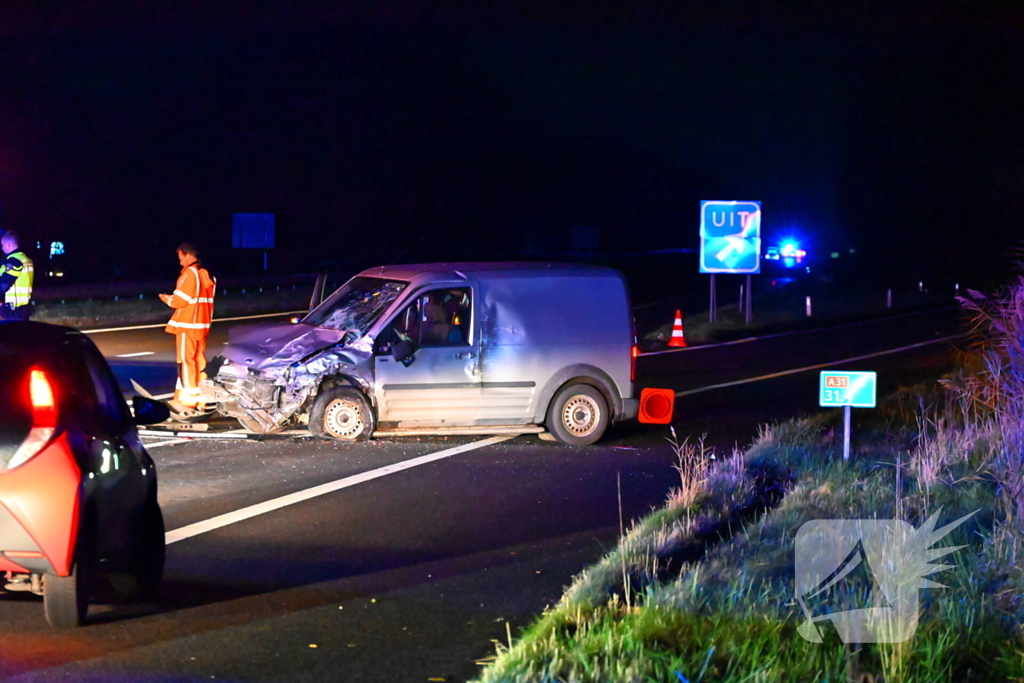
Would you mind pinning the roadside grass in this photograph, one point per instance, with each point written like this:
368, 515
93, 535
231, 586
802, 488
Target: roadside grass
703, 589
98, 313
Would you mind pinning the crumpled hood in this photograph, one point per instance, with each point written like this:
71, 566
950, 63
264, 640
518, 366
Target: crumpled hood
276, 345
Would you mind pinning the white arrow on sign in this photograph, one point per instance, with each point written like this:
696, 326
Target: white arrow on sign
737, 244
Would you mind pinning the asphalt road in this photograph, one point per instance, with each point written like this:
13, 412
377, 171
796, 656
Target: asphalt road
413, 574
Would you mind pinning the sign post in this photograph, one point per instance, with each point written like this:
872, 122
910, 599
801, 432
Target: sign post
848, 390
730, 242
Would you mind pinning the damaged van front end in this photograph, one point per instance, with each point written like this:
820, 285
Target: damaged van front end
269, 375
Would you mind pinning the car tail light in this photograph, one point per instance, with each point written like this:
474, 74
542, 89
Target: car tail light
633, 353
44, 418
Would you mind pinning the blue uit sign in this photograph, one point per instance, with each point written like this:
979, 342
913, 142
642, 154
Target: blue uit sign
854, 389
730, 237
253, 230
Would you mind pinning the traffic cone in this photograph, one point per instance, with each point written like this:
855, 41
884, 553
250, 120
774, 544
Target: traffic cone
677, 331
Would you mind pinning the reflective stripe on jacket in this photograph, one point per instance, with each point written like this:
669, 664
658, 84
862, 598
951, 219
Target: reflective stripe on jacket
20, 266
192, 302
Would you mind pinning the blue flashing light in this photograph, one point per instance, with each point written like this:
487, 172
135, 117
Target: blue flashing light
56, 249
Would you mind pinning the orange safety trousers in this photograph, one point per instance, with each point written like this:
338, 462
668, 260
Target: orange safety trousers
191, 359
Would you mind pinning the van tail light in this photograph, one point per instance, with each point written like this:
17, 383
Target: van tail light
634, 351
44, 419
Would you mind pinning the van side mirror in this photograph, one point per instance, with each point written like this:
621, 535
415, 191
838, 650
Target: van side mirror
149, 411
403, 351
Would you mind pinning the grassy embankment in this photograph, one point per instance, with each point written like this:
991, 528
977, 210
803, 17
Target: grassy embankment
702, 590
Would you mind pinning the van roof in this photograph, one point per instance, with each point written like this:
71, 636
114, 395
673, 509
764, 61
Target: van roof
483, 270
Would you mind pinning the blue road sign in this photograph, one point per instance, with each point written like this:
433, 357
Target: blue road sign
253, 230
730, 237
854, 389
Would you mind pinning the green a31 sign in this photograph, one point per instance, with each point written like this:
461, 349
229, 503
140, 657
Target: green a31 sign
854, 389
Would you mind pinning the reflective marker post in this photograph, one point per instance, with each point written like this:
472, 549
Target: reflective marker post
848, 390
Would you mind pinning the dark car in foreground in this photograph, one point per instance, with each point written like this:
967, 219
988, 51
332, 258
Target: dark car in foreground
78, 491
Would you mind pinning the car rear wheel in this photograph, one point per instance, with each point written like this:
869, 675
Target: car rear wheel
66, 598
341, 413
578, 415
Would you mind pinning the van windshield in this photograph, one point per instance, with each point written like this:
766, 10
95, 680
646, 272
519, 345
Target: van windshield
356, 304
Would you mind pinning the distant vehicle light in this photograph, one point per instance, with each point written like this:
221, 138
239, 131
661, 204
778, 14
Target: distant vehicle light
835, 254
56, 249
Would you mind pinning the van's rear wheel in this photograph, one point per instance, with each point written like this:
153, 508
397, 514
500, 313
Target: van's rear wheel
341, 413
578, 415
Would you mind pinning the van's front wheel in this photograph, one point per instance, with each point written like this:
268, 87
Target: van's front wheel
341, 413
578, 415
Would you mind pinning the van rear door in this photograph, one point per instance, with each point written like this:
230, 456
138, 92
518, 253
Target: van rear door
439, 384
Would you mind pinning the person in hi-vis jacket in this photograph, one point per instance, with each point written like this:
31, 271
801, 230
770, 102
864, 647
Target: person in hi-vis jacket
192, 302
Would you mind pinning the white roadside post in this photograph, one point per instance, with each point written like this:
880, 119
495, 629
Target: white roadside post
847, 390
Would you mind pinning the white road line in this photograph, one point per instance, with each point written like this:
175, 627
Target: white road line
134, 355
746, 340
216, 320
816, 367
300, 496
166, 443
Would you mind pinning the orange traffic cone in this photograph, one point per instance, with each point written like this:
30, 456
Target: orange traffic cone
677, 331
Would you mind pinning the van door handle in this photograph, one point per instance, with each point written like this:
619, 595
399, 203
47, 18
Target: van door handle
465, 355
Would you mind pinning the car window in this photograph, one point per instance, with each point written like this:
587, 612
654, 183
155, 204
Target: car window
405, 326
445, 317
76, 395
109, 400
356, 305
16, 414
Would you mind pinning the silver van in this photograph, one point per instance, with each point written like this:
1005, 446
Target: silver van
451, 348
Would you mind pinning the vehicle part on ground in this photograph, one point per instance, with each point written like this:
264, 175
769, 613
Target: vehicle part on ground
342, 413
251, 424
578, 415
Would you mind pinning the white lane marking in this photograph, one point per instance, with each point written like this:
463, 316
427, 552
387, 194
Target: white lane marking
166, 443
300, 496
134, 355
811, 331
816, 367
216, 320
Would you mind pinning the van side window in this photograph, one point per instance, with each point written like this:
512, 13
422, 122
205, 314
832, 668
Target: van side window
445, 317
406, 325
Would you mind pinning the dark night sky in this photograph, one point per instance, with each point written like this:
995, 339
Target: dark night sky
494, 132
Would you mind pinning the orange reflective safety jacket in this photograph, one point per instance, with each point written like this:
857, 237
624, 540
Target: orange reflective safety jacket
192, 302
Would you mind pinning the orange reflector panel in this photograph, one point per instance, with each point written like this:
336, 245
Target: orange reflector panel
24, 553
657, 406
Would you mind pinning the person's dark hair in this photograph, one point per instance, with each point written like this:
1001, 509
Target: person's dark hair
189, 248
